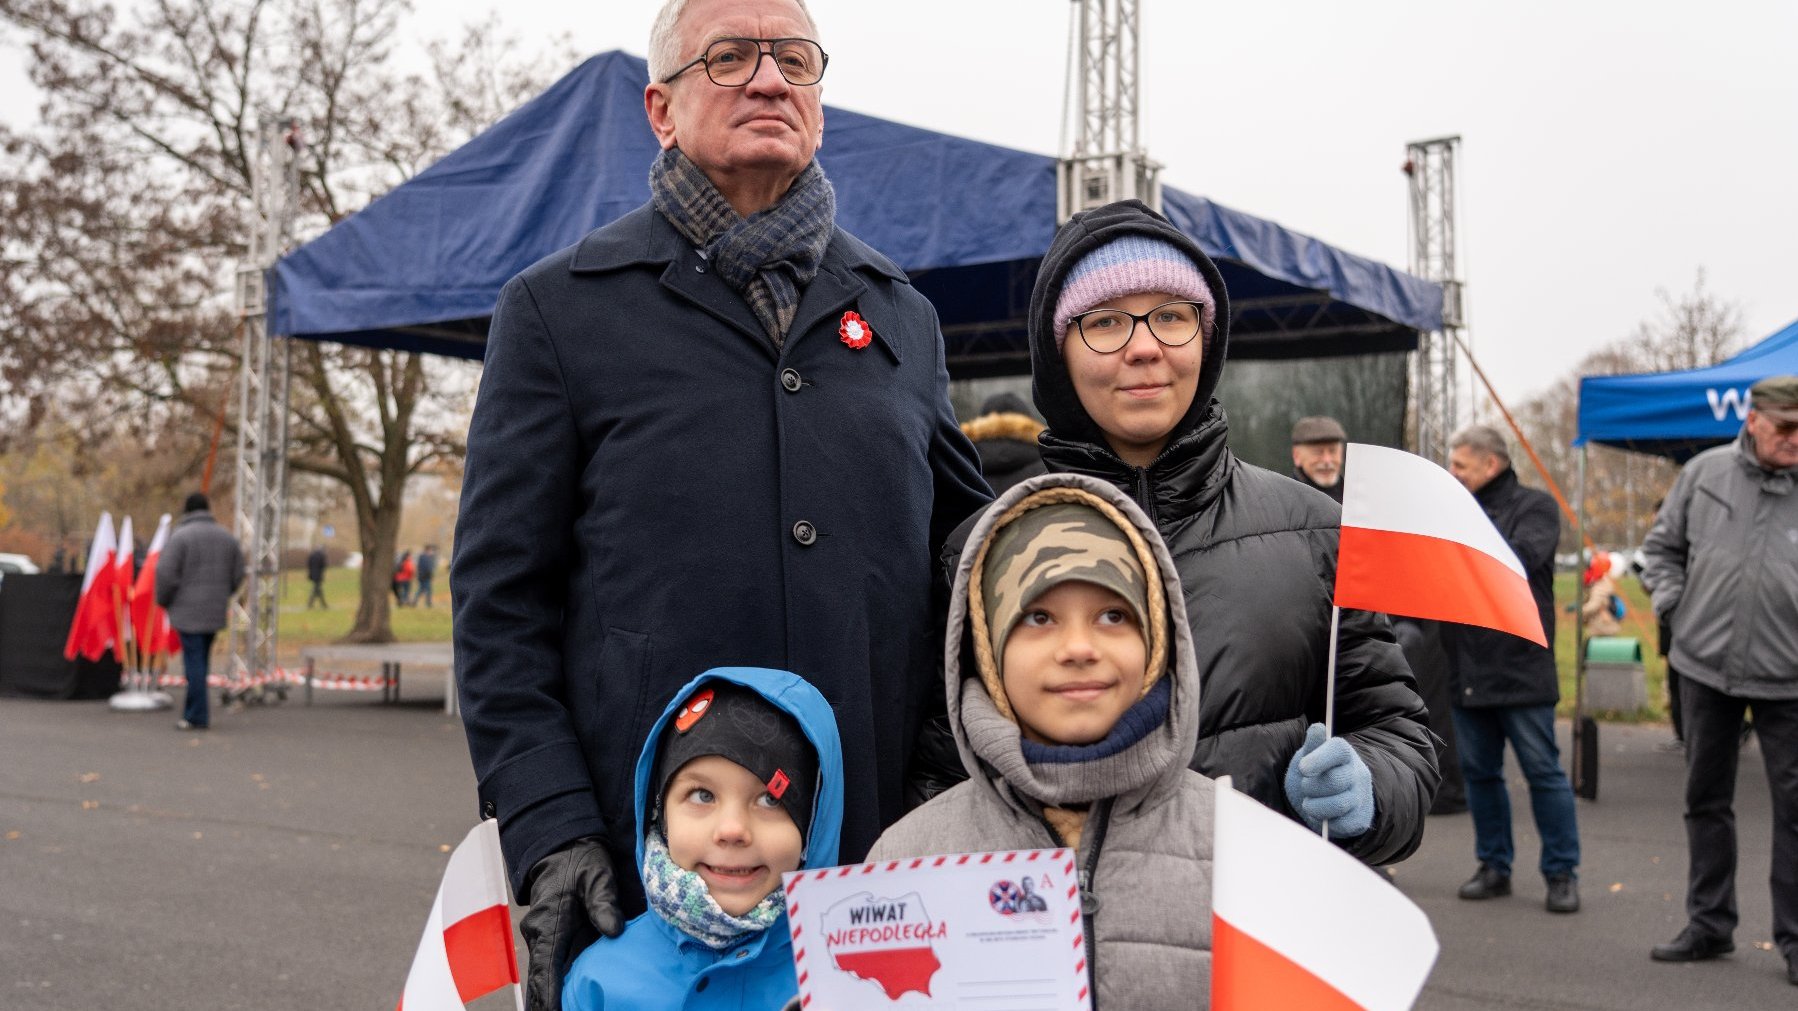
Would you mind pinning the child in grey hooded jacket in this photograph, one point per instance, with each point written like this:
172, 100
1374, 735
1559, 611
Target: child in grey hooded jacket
1077, 721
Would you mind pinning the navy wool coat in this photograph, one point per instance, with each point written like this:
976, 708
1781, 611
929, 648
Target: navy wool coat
652, 490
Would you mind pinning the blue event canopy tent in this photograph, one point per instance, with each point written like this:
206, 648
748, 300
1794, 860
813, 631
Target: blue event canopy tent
421, 267
1677, 414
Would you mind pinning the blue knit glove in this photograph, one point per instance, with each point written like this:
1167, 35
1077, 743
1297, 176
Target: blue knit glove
1327, 779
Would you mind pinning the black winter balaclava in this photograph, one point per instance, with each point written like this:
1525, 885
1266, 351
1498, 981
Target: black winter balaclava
1051, 387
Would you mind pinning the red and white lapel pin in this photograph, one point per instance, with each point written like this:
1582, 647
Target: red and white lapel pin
855, 331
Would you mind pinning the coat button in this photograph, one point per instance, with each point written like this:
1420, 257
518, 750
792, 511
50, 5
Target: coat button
699, 268
805, 533
487, 810
789, 380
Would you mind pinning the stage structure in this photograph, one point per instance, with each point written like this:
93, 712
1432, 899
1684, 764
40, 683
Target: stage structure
1430, 165
1105, 161
262, 414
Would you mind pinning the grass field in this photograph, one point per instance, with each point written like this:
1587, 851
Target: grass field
300, 627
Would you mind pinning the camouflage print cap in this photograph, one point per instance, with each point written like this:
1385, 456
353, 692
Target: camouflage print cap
1776, 397
1056, 536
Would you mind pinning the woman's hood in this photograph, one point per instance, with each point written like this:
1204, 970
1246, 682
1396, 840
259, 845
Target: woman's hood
796, 697
1182, 725
1053, 391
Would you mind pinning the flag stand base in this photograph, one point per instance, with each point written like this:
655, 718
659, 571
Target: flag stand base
139, 702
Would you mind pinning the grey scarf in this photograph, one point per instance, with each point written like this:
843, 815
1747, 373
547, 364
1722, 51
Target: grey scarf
768, 257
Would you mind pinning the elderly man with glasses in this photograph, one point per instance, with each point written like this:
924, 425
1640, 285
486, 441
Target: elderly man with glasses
714, 432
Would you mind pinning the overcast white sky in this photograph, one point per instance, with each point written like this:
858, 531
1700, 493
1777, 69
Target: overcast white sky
1609, 149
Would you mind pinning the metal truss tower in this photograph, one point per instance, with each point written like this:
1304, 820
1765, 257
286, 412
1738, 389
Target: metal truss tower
1430, 164
262, 413
1105, 161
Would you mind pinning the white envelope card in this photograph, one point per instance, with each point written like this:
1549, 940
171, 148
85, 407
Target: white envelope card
997, 931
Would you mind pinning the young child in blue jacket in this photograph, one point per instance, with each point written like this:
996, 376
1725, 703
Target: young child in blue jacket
740, 781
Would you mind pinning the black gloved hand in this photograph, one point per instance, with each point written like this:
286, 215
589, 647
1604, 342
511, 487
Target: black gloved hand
573, 901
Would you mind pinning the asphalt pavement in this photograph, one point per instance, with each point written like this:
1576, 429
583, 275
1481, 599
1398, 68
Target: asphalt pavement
285, 861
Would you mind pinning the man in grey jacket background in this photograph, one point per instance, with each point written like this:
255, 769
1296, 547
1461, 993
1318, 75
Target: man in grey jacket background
201, 567
1722, 565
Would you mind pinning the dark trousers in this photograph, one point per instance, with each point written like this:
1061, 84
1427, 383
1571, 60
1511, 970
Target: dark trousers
1713, 726
318, 594
1480, 736
424, 591
196, 662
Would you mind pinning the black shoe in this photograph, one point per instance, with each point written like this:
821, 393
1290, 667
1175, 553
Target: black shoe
1563, 894
1674, 746
184, 725
1486, 883
1792, 970
1692, 945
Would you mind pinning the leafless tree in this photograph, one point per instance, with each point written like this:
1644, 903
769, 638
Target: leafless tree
126, 211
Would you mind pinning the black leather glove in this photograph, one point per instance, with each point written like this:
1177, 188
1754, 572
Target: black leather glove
935, 762
573, 901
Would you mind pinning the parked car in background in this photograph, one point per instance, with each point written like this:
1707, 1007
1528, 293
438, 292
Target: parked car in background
16, 563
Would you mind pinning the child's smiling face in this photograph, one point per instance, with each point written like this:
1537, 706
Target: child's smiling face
1073, 664
723, 824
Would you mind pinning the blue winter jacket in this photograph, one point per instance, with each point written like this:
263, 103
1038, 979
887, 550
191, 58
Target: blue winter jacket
653, 965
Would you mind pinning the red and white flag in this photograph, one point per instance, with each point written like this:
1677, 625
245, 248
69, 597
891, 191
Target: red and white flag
1416, 543
1298, 923
94, 626
148, 620
124, 563
466, 952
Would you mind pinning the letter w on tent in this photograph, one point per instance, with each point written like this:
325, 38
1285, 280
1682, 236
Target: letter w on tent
1298, 923
466, 952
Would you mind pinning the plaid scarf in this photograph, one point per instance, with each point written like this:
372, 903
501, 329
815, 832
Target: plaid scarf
681, 897
767, 257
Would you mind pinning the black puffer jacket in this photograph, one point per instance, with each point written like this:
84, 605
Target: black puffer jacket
1494, 668
1256, 553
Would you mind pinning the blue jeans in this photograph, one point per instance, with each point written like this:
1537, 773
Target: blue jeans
1481, 736
196, 659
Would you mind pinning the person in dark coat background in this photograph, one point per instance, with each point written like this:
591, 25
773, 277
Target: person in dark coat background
1318, 444
1004, 434
1256, 553
713, 432
1506, 687
315, 574
201, 566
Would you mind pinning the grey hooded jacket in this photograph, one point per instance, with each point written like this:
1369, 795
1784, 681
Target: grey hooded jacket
201, 566
1721, 564
1145, 852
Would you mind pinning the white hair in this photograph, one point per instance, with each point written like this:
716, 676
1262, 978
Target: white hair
1482, 439
664, 37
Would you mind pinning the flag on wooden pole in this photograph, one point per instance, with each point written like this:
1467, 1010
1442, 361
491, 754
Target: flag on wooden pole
1416, 543
1298, 923
466, 952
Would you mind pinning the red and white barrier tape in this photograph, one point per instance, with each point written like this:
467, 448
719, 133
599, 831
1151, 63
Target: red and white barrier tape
328, 681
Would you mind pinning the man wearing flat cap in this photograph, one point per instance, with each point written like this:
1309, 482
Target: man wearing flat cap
1317, 447
1723, 570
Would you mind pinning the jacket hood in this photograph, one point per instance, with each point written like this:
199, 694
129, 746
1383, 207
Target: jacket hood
991, 752
1006, 425
795, 696
1050, 385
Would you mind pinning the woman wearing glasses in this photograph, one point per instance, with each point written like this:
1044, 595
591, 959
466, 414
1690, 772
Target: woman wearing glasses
1129, 330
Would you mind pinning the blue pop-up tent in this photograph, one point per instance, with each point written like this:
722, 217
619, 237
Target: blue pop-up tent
421, 267
1677, 414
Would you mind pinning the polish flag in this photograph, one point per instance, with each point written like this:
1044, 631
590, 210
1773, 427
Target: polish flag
147, 620
93, 628
124, 564
466, 952
1416, 543
1298, 923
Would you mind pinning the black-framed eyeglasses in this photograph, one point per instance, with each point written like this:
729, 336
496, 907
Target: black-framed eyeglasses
1174, 324
733, 63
